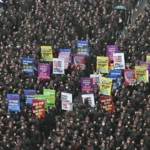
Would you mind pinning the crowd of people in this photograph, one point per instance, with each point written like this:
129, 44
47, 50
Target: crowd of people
26, 25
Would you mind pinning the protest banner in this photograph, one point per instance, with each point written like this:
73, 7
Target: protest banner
67, 51
107, 103
38, 108
96, 78
102, 64
66, 101
110, 50
82, 48
114, 81
129, 76
43, 71
42, 97
89, 98
141, 73
58, 66
29, 95
50, 95
86, 84
28, 65
116, 72
13, 102
47, 53
119, 61
105, 86
148, 58
66, 57
79, 59
147, 65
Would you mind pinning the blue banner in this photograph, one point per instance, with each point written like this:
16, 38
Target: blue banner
116, 72
114, 83
28, 65
13, 102
29, 95
82, 47
67, 51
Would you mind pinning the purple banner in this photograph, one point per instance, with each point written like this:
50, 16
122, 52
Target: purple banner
110, 50
86, 84
147, 65
43, 71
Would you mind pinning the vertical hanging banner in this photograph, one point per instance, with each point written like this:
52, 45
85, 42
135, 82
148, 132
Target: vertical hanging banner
58, 66
102, 64
66, 57
90, 98
13, 102
147, 65
119, 61
86, 84
110, 50
29, 95
47, 53
28, 65
107, 103
38, 108
141, 73
96, 78
129, 76
69, 52
43, 71
50, 95
82, 47
105, 86
148, 58
66, 101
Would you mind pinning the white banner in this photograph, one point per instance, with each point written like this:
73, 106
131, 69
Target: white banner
66, 101
119, 62
90, 98
58, 66
96, 78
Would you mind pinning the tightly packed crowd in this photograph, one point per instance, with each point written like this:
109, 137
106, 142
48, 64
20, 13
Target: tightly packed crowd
26, 25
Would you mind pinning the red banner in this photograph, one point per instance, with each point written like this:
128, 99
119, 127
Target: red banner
129, 76
38, 108
107, 103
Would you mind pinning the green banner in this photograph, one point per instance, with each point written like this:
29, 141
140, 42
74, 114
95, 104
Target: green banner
50, 95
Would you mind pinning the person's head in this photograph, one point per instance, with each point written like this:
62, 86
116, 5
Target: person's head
128, 140
52, 145
141, 142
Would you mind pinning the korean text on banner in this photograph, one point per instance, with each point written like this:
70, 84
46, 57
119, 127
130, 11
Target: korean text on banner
86, 84
66, 101
58, 66
50, 94
67, 51
82, 47
102, 64
29, 95
38, 108
141, 73
47, 53
89, 98
129, 76
66, 57
110, 50
148, 58
105, 86
114, 78
43, 71
13, 102
107, 103
119, 61
28, 66
147, 65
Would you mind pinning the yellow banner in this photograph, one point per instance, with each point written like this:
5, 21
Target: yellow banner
102, 64
105, 86
148, 58
46, 52
141, 73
